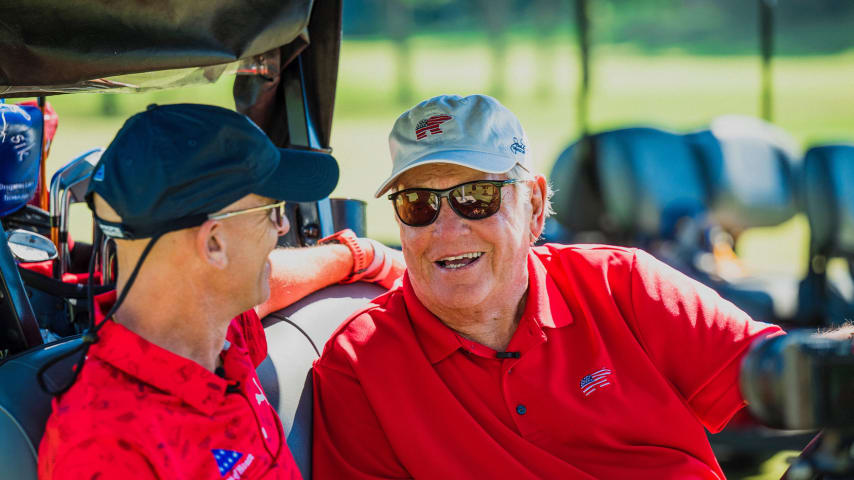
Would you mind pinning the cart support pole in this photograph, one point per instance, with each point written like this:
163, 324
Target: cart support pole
582, 21
766, 45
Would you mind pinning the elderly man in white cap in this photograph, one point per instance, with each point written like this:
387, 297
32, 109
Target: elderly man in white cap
498, 359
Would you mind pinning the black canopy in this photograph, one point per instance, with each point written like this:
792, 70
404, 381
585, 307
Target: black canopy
60, 46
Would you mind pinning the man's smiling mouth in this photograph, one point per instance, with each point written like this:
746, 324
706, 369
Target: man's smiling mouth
458, 261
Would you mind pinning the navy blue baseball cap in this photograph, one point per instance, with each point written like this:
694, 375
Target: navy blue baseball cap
171, 166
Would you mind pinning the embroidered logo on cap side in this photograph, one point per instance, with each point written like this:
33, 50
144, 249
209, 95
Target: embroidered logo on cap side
431, 126
596, 380
517, 146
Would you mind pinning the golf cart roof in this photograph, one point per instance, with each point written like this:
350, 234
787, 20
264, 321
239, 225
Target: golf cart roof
56, 46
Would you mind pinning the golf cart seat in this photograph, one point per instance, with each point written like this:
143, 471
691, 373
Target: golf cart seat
292, 335
829, 198
648, 180
828, 183
295, 338
751, 170
577, 199
24, 406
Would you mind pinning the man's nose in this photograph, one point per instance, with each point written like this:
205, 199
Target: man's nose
448, 222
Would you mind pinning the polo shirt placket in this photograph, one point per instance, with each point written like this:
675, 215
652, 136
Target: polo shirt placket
543, 305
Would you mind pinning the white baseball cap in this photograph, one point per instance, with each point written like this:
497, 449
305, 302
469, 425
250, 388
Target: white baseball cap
474, 131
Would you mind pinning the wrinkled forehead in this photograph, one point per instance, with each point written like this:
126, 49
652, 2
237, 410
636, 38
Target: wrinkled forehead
442, 175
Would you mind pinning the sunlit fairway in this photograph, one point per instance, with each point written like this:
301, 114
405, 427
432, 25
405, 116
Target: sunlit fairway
813, 102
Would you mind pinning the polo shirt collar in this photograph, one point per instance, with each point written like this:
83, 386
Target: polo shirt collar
544, 306
158, 367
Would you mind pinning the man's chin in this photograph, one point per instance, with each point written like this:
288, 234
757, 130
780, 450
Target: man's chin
451, 298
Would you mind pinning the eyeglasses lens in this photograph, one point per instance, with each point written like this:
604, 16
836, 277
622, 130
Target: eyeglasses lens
417, 207
476, 200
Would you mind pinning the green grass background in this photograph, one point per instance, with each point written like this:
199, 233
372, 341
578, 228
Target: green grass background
675, 91
813, 102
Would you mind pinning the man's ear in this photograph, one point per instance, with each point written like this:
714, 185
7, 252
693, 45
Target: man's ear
538, 206
211, 244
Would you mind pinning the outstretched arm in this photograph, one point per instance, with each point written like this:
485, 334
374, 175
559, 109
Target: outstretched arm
297, 272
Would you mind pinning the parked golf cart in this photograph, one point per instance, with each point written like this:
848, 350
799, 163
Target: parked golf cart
285, 56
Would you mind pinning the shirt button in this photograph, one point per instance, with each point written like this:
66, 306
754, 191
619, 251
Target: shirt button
510, 370
521, 410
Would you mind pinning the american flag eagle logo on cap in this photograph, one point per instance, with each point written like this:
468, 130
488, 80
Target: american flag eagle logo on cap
431, 126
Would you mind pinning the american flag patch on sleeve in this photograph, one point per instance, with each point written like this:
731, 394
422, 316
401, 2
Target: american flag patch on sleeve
595, 380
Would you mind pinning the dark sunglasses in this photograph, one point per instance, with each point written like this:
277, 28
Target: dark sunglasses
419, 207
277, 213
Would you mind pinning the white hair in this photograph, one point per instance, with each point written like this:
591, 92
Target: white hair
518, 172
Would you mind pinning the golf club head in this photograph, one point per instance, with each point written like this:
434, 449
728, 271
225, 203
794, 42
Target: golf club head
78, 170
68, 186
71, 173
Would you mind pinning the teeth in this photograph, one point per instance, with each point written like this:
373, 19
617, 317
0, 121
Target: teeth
460, 257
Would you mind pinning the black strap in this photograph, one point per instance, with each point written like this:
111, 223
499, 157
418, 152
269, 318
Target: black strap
121, 230
90, 337
59, 288
284, 318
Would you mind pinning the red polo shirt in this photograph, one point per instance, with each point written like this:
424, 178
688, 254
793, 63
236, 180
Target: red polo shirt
622, 362
139, 411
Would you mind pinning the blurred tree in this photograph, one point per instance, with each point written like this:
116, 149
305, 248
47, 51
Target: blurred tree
496, 17
109, 104
400, 23
547, 15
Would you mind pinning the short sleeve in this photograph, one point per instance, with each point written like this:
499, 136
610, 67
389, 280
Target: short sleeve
695, 338
246, 330
97, 458
348, 439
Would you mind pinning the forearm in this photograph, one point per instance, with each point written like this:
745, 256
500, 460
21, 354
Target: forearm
297, 272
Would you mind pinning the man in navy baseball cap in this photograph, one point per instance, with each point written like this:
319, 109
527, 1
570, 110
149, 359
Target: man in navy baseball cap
194, 197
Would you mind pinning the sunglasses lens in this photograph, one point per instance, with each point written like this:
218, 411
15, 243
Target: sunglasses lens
476, 200
416, 207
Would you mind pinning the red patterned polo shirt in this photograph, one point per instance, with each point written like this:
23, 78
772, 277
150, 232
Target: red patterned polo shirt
140, 411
